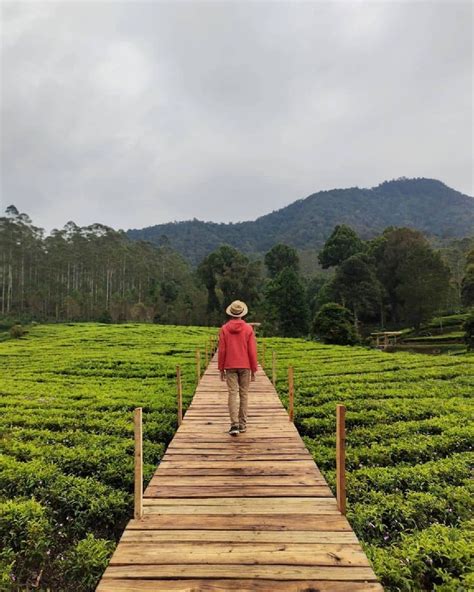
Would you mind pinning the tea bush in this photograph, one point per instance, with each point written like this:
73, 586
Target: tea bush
409, 453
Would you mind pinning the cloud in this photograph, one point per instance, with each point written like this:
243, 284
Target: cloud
136, 113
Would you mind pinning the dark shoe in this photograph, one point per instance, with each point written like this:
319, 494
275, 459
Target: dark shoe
242, 428
234, 430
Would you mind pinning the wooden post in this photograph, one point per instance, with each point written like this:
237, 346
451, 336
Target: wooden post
180, 395
207, 356
291, 394
274, 368
262, 362
137, 421
341, 458
198, 366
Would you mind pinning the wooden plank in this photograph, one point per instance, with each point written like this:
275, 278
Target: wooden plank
291, 393
138, 462
236, 480
325, 509
235, 585
240, 502
279, 572
242, 536
250, 472
179, 388
340, 458
168, 491
256, 521
306, 464
316, 554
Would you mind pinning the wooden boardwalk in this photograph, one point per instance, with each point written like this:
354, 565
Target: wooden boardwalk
245, 513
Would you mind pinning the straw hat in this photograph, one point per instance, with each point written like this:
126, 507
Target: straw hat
237, 309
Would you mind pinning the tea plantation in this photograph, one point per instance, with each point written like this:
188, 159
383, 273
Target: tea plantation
66, 476
409, 453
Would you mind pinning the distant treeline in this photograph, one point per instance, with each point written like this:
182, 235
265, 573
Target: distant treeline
96, 273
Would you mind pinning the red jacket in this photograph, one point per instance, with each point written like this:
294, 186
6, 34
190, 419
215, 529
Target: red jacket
237, 346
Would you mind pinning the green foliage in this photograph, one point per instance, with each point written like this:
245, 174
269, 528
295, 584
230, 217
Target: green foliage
84, 563
467, 284
26, 538
285, 299
468, 328
357, 286
414, 277
279, 257
92, 273
229, 275
437, 558
409, 453
342, 244
17, 331
334, 324
66, 475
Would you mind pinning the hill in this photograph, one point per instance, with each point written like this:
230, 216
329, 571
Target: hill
425, 204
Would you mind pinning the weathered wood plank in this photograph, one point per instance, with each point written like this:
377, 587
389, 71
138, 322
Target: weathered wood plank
235, 585
278, 572
242, 536
256, 521
315, 554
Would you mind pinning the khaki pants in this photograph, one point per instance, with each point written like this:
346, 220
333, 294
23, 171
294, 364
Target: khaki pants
238, 380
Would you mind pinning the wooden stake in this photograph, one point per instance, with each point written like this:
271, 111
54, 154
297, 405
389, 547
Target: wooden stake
180, 395
262, 363
274, 368
207, 356
198, 366
137, 421
291, 394
341, 458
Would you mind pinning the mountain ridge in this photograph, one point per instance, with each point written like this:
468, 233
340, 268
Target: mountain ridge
425, 204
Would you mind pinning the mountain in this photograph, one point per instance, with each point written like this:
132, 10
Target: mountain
425, 204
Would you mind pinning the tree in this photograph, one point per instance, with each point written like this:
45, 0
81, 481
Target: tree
357, 287
468, 327
229, 275
467, 283
342, 244
286, 306
86, 272
279, 257
414, 277
334, 324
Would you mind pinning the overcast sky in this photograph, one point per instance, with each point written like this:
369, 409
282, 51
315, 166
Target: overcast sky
136, 113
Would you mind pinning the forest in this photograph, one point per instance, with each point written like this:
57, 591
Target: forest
96, 273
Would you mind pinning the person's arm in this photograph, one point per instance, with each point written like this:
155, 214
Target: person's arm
252, 351
221, 354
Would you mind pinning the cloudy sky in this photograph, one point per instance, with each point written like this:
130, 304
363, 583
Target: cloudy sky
136, 113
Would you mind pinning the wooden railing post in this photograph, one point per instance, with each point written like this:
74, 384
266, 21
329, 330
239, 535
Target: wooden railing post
274, 368
137, 421
262, 361
291, 394
180, 395
341, 458
198, 366
207, 356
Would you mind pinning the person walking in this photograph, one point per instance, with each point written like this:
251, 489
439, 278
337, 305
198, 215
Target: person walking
237, 362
